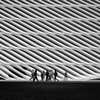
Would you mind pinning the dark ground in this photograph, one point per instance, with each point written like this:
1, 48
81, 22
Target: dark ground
49, 90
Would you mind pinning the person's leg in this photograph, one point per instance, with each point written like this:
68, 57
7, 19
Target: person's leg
36, 78
33, 79
55, 78
42, 79
50, 77
30, 78
46, 78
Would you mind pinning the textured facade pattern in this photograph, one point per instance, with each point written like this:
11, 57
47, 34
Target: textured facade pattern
50, 34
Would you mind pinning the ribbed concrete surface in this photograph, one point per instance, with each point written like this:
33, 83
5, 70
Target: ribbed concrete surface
50, 34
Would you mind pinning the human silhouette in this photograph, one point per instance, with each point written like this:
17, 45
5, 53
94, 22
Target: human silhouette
55, 75
50, 75
34, 75
47, 75
65, 75
43, 75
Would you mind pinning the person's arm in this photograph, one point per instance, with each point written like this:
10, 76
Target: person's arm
30, 78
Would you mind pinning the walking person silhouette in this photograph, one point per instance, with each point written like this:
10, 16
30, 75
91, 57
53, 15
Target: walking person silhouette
47, 75
55, 75
34, 75
43, 75
65, 76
